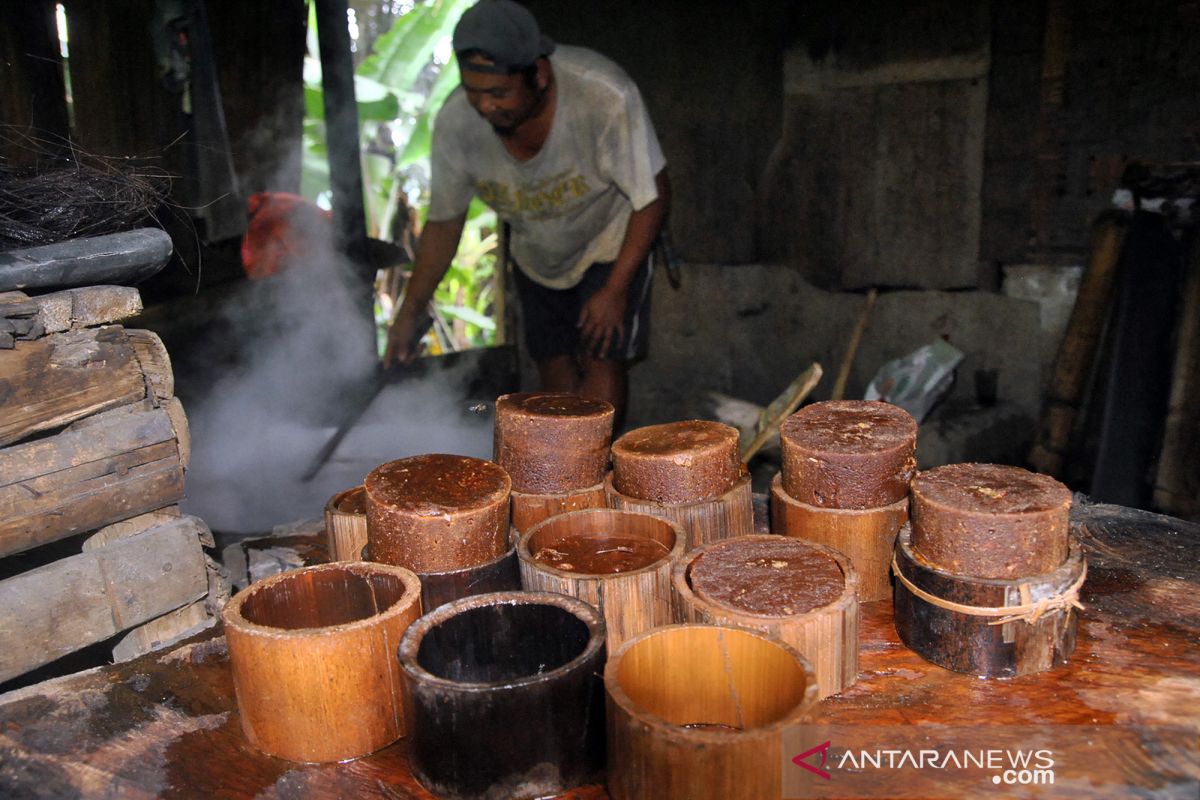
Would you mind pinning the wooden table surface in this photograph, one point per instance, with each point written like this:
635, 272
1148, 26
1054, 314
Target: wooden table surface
166, 725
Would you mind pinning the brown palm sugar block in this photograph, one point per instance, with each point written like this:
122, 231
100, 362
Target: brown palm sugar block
679, 462
990, 521
848, 454
779, 578
437, 512
552, 442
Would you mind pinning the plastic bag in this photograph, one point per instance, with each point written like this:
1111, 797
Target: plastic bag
918, 380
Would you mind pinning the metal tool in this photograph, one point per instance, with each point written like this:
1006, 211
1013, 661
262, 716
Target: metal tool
357, 406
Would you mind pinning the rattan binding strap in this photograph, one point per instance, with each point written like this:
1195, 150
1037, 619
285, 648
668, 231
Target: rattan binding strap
1029, 611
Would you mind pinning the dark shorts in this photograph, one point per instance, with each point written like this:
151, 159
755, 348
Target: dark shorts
550, 316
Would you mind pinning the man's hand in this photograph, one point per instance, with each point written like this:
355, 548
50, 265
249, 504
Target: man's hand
400, 337
602, 321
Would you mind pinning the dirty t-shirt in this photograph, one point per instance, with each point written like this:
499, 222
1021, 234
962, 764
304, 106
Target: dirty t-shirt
569, 205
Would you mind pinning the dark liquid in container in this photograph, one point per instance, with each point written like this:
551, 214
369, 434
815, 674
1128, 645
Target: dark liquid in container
601, 554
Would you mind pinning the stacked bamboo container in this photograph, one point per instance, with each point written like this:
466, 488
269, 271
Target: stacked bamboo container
688, 472
93, 442
555, 448
988, 574
846, 471
446, 518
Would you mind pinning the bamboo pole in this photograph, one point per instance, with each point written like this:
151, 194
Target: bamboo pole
1078, 348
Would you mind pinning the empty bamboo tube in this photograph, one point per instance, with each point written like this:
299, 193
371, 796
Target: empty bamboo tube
346, 524
530, 509
313, 658
552, 442
865, 536
731, 514
716, 733
618, 561
801, 593
503, 695
437, 512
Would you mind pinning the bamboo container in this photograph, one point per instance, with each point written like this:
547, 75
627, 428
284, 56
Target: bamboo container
865, 536
552, 442
992, 627
632, 600
736, 687
313, 662
826, 635
346, 524
437, 512
498, 575
503, 695
530, 509
731, 514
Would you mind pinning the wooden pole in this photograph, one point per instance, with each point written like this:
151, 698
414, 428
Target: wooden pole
839, 385
87, 598
1078, 348
101, 469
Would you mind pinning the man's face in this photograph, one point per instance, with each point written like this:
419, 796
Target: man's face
505, 101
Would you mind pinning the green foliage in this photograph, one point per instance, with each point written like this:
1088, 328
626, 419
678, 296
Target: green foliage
400, 88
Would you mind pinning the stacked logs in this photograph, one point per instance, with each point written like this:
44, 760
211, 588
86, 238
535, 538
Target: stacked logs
845, 482
93, 442
988, 573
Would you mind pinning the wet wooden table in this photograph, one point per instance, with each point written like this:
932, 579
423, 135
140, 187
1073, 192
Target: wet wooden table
166, 725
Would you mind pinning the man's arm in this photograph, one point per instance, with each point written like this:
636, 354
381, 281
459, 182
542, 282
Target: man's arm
435, 251
602, 320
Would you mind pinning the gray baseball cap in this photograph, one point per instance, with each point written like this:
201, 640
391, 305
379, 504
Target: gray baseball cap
505, 31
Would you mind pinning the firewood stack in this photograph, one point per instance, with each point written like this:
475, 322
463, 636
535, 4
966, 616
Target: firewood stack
93, 444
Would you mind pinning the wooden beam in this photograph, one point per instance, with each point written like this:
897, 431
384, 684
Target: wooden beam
55, 380
102, 469
54, 610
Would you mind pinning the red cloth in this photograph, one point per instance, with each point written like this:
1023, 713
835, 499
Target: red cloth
282, 227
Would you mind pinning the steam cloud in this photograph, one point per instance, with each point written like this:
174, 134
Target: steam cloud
302, 338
